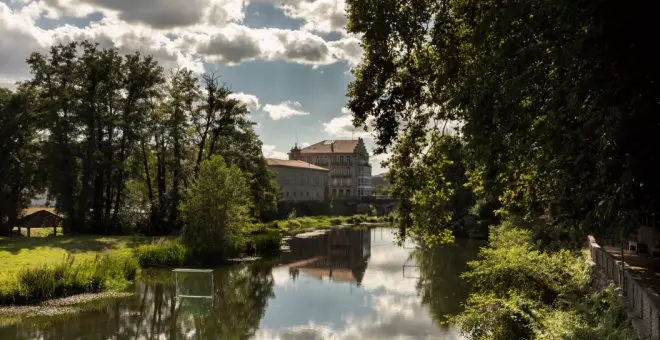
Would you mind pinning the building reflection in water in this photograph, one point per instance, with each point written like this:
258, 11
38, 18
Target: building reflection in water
339, 255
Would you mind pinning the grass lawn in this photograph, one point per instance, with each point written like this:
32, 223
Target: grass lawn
21, 252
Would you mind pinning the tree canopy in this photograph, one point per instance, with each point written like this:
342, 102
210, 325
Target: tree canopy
116, 140
555, 101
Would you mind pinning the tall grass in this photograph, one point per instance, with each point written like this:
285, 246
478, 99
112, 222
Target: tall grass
162, 253
265, 242
68, 278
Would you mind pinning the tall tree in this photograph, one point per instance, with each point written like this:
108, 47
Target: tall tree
19, 154
557, 99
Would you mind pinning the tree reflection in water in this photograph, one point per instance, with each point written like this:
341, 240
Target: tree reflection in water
240, 297
440, 286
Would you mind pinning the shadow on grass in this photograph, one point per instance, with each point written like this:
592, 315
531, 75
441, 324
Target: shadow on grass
72, 244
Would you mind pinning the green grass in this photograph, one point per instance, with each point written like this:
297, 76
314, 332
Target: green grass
68, 277
17, 253
163, 252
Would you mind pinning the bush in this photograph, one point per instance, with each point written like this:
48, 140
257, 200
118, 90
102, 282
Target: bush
168, 253
521, 292
69, 278
216, 211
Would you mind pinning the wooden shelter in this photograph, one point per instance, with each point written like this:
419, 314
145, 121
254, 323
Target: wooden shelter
38, 219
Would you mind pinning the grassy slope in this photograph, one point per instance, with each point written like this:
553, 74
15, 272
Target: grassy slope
19, 252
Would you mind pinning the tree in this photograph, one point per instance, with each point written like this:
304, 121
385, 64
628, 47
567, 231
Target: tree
119, 141
556, 100
223, 128
20, 178
216, 210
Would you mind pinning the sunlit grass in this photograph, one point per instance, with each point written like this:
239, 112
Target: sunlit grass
19, 252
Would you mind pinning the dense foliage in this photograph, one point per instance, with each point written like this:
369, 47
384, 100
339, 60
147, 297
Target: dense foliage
115, 140
216, 210
555, 101
521, 292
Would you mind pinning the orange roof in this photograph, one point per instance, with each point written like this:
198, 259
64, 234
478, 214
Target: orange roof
332, 146
293, 164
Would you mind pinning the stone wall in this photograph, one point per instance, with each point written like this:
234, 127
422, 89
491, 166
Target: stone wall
642, 302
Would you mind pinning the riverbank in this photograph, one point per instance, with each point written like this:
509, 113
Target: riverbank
60, 306
32, 269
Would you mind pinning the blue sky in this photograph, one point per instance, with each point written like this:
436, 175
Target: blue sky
288, 60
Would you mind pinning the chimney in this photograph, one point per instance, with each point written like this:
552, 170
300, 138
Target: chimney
332, 147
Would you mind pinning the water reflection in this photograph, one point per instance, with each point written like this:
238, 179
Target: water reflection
347, 284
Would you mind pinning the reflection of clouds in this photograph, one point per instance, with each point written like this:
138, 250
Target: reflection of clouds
385, 306
282, 277
385, 271
397, 317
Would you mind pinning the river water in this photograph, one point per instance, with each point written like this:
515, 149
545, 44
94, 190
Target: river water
343, 284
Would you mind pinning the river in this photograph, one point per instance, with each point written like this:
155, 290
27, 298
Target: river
343, 284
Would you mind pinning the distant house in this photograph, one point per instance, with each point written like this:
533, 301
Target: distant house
300, 181
347, 161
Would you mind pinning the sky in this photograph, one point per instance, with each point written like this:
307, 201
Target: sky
288, 60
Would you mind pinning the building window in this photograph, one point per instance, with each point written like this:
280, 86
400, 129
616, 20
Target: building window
341, 192
334, 192
308, 194
287, 194
294, 194
301, 194
348, 192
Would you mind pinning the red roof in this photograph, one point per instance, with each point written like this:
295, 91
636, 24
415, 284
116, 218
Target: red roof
333, 146
293, 164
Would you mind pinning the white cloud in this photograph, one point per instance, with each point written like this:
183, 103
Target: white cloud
159, 14
251, 101
285, 109
270, 152
132, 38
177, 36
342, 127
234, 44
19, 37
319, 15
348, 49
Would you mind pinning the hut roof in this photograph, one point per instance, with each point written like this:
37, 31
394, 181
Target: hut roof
39, 219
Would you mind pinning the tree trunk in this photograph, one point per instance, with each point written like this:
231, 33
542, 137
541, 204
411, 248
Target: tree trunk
120, 179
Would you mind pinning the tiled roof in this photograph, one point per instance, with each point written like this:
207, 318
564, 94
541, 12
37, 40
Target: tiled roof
293, 164
332, 146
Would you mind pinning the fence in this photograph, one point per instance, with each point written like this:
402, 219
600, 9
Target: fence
642, 301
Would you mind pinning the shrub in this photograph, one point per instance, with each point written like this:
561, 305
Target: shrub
521, 292
168, 253
216, 210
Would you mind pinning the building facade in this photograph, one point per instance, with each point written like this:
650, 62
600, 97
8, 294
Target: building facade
300, 181
347, 161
